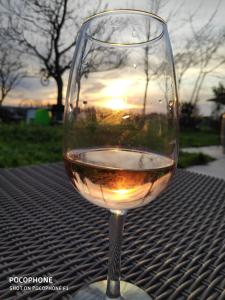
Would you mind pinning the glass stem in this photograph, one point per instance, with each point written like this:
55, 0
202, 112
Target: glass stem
116, 225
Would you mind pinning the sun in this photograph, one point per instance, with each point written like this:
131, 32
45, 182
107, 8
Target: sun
116, 93
116, 104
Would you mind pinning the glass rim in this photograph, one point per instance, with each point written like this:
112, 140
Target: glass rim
125, 11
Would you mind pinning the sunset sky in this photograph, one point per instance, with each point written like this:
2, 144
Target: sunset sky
31, 91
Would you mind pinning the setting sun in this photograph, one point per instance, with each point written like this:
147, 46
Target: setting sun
116, 93
116, 104
117, 88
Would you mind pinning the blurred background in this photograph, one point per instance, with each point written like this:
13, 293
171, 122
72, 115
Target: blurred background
37, 41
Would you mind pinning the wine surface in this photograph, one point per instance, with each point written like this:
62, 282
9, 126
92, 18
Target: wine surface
118, 178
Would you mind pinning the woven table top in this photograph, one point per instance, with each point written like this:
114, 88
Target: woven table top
174, 248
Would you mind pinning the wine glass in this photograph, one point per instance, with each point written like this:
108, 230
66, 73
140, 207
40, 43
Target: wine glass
120, 125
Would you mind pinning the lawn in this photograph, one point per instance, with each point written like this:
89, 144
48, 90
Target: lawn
191, 159
199, 138
25, 145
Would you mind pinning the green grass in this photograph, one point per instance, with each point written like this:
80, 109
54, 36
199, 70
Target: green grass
26, 145
199, 138
191, 159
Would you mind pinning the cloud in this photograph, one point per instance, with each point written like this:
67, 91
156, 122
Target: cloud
93, 88
30, 89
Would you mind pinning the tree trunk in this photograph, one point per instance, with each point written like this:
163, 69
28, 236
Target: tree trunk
3, 95
145, 95
147, 74
78, 96
2, 98
59, 83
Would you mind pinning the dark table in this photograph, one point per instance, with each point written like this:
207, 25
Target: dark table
174, 248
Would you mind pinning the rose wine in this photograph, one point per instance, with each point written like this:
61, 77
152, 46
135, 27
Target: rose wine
118, 178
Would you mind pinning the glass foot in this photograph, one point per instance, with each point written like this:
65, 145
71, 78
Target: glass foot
97, 291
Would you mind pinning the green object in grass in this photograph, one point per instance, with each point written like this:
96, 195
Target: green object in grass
42, 117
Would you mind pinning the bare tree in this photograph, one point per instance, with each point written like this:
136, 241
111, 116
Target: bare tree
11, 70
46, 30
155, 6
201, 51
209, 59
